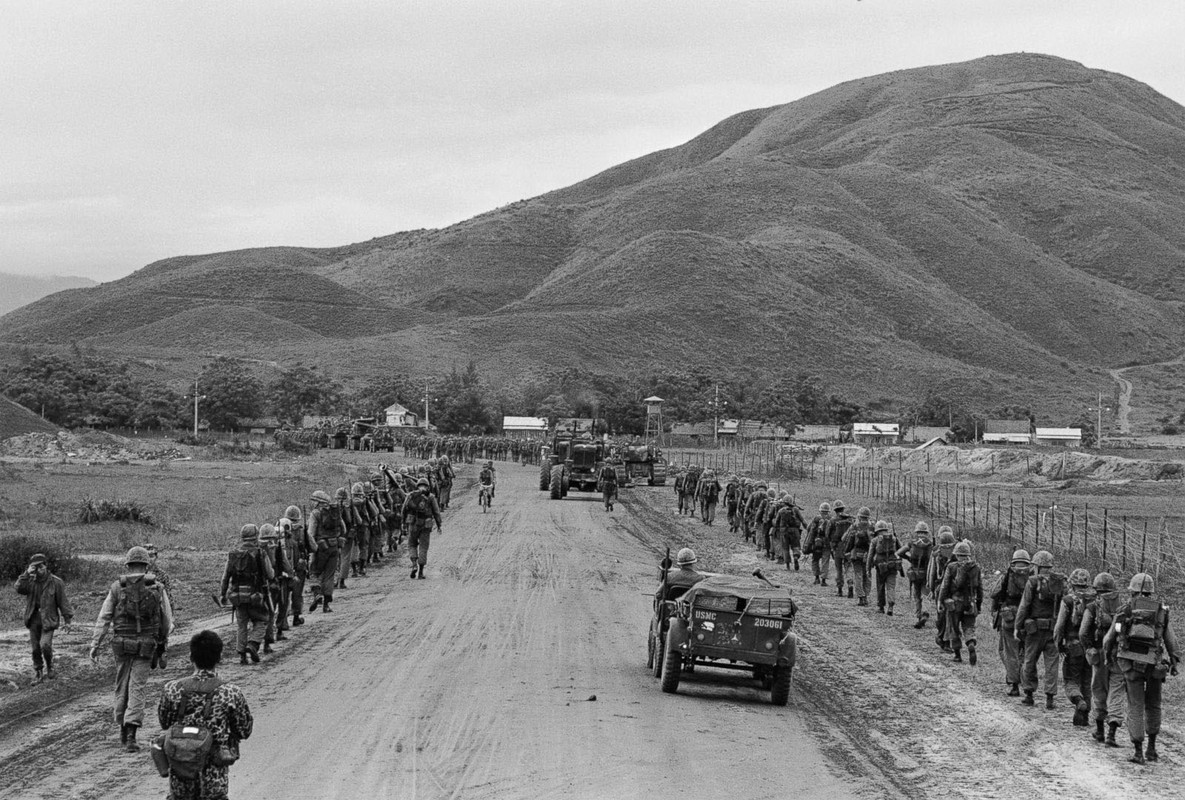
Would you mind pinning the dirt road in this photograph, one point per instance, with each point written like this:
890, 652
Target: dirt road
479, 682
476, 682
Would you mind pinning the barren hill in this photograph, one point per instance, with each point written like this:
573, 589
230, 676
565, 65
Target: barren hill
1012, 222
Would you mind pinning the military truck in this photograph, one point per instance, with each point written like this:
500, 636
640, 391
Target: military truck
736, 623
572, 459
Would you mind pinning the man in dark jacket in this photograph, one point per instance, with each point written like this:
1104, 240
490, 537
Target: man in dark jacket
46, 609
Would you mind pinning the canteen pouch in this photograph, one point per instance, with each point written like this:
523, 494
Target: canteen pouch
1044, 624
1008, 616
223, 756
1030, 627
240, 596
156, 749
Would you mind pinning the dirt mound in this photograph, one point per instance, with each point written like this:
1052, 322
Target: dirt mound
15, 420
86, 446
1009, 464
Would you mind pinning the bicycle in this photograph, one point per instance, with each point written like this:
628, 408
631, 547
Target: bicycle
484, 499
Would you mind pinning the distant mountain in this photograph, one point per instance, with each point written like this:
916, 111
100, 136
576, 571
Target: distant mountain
1011, 223
19, 290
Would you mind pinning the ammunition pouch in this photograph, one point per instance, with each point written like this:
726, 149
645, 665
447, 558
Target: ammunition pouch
1008, 617
133, 646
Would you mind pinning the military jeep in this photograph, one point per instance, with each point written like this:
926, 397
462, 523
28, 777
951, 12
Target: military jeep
736, 623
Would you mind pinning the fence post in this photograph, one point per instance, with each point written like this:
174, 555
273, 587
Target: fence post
1036, 526
1123, 563
1105, 536
1086, 531
1022, 521
1143, 544
1071, 545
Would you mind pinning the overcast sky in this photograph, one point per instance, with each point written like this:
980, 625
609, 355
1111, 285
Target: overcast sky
134, 131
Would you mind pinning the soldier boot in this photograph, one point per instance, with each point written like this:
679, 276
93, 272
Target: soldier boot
1049, 701
1028, 698
1150, 751
1098, 735
1111, 728
1138, 757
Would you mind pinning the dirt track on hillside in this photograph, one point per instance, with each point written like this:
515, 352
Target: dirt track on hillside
478, 682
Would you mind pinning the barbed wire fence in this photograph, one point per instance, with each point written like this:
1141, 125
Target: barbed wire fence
1095, 537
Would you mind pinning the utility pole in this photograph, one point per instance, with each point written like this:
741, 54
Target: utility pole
1098, 431
425, 405
716, 408
196, 398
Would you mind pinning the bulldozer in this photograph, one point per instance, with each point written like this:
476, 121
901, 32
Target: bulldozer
644, 461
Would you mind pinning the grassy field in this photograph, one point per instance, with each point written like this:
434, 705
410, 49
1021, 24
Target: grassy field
196, 507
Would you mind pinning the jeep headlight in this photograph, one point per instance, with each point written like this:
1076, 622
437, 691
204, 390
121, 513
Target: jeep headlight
769, 645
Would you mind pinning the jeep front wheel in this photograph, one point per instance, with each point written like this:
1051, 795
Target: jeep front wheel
672, 666
780, 693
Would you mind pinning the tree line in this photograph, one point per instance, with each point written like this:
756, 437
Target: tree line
80, 389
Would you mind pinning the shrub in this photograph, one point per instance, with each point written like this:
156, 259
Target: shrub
1170, 430
119, 510
17, 550
201, 440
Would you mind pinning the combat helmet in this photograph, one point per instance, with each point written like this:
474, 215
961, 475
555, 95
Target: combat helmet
963, 549
137, 555
341, 495
686, 557
1104, 582
293, 512
824, 508
357, 491
880, 526
319, 497
921, 527
1043, 558
268, 531
1142, 583
864, 513
249, 533
838, 506
1080, 578
1022, 557
946, 536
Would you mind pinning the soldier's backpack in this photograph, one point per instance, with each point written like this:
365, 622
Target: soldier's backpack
243, 568
188, 748
1050, 586
1016, 584
1141, 636
886, 547
919, 559
1082, 598
1105, 608
137, 606
967, 575
419, 504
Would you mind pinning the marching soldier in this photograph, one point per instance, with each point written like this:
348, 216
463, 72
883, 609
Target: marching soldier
882, 559
1145, 647
1035, 617
1006, 597
859, 540
419, 511
939, 560
1108, 688
816, 544
961, 596
917, 553
327, 529
1075, 669
837, 530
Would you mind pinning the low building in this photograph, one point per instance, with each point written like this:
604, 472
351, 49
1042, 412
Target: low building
1058, 437
399, 416
755, 429
816, 433
263, 426
1007, 431
927, 433
524, 427
876, 433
